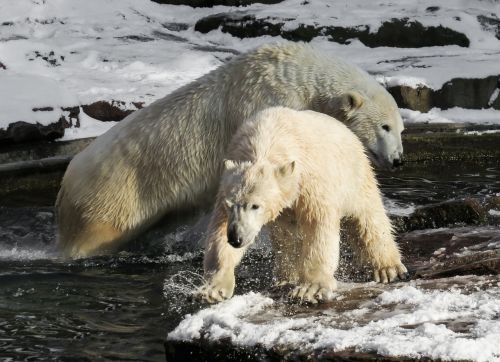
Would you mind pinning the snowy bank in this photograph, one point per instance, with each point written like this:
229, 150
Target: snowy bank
67, 53
402, 321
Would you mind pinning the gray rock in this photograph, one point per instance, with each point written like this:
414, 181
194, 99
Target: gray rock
472, 93
109, 110
401, 33
28, 132
210, 3
490, 23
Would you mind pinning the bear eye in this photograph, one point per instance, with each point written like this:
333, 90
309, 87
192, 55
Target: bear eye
386, 128
255, 207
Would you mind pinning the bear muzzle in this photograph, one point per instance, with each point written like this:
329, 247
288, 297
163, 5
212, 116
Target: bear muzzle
233, 238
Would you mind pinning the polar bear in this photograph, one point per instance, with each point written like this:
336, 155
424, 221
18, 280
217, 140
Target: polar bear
167, 157
314, 165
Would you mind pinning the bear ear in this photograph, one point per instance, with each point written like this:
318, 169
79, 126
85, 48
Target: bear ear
286, 169
343, 106
351, 101
229, 165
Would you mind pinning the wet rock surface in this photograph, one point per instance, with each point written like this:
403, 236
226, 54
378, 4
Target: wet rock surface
459, 261
451, 145
468, 211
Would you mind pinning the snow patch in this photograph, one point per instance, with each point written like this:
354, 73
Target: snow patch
69, 53
26, 98
89, 127
412, 82
494, 96
416, 328
455, 114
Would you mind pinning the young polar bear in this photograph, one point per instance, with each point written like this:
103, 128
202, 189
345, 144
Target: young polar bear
314, 165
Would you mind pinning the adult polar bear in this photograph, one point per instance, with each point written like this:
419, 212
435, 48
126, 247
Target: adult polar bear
167, 156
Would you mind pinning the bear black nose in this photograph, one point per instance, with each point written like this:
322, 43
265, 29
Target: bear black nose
233, 238
397, 162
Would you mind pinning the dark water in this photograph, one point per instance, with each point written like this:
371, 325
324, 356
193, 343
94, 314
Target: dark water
121, 307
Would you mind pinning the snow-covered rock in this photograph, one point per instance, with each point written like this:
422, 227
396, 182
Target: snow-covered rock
121, 53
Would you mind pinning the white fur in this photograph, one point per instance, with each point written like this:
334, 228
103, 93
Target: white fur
167, 156
316, 167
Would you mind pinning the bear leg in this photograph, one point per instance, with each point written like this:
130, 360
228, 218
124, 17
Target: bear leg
287, 247
320, 259
91, 238
220, 260
376, 242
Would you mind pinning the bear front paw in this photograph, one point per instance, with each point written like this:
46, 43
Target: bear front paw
314, 292
216, 290
389, 274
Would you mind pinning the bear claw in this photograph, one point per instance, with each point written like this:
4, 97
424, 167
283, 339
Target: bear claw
212, 294
312, 293
390, 274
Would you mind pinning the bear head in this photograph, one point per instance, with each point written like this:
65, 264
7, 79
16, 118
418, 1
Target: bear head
375, 119
254, 194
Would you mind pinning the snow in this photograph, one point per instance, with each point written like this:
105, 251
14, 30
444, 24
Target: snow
494, 96
123, 50
20, 94
89, 127
415, 328
412, 82
456, 114
94, 58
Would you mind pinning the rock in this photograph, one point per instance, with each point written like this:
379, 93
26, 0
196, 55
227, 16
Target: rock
109, 110
473, 93
72, 118
210, 3
469, 211
28, 132
450, 146
490, 23
432, 9
238, 23
417, 99
40, 150
169, 37
19, 132
450, 252
278, 330
175, 26
401, 33
2, 66
50, 57
141, 38
33, 183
